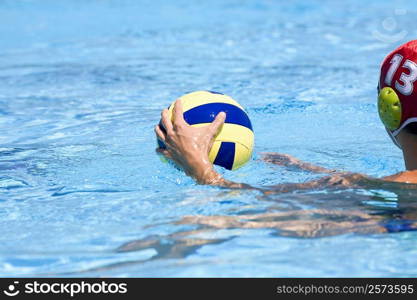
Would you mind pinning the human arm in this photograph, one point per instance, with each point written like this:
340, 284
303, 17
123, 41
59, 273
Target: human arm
403, 177
287, 160
189, 146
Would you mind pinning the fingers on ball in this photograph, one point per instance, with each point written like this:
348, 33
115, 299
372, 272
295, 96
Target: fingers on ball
166, 122
178, 113
159, 133
164, 152
218, 122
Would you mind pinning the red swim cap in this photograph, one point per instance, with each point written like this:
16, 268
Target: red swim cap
397, 103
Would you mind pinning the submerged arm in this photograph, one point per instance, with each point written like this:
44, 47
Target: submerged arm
287, 160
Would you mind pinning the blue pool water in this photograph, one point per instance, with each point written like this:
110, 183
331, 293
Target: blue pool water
82, 192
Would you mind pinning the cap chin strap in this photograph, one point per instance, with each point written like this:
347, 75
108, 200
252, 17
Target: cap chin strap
408, 121
393, 135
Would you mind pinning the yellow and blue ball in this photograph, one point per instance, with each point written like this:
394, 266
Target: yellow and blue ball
233, 145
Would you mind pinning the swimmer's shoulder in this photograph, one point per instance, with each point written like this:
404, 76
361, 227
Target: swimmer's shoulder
405, 177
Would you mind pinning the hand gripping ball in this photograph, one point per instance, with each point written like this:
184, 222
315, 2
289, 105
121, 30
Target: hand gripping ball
233, 145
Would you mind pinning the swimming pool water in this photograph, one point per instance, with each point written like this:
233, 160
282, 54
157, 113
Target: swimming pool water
82, 192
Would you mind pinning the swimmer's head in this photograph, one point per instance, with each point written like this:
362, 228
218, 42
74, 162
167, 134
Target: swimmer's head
397, 89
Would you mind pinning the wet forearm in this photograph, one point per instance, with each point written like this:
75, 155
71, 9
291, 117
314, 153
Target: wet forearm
206, 175
287, 160
312, 168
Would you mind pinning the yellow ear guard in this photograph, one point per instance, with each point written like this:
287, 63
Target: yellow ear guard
389, 108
